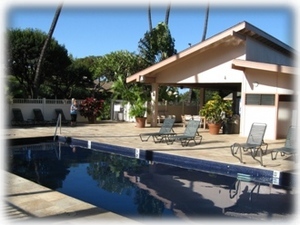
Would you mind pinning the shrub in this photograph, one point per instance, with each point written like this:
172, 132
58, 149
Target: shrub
91, 108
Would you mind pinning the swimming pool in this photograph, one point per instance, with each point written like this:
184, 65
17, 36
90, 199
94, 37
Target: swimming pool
142, 184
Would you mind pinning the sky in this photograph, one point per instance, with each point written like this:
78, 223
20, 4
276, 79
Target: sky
95, 29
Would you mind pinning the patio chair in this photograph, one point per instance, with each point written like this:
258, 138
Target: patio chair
165, 130
289, 147
18, 119
64, 121
190, 134
39, 118
254, 144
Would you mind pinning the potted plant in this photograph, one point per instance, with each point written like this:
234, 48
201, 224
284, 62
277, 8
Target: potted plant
90, 108
231, 124
138, 110
135, 95
215, 111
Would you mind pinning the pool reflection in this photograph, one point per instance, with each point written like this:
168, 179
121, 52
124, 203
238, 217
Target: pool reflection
143, 189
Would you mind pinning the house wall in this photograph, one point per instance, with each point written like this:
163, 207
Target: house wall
215, 66
277, 117
287, 115
258, 52
212, 67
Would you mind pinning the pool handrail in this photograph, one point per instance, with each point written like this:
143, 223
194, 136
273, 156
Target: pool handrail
58, 123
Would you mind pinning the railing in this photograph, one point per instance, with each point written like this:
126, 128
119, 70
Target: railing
58, 123
42, 101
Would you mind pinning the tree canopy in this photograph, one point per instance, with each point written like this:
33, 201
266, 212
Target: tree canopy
61, 76
157, 44
24, 48
122, 62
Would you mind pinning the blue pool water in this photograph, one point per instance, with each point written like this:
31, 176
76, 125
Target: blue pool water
140, 185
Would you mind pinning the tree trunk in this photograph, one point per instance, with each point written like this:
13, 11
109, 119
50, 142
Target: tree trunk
205, 23
149, 17
168, 14
38, 68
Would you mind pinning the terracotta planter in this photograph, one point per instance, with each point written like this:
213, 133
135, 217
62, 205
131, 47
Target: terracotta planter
214, 128
140, 122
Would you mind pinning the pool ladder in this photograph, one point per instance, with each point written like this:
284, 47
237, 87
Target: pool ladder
58, 123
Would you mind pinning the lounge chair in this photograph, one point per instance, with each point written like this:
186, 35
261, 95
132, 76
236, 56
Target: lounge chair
289, 147
39, 118
165, 130
190, 134
18, 119
64, 121
255, 143
185, 119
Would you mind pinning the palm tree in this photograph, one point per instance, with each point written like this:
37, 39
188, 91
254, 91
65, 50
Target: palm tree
149, 17
166, 17
168, 14
203, 39
39, 64
205, 23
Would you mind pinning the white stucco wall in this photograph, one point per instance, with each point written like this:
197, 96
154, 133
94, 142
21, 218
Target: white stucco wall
268, 83
214, 66
261, 53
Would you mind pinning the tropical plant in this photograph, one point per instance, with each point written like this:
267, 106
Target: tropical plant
138, 109
134, 94
216, 109
157, 44
91, 108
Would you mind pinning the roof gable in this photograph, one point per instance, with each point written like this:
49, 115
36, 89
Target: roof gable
234, 35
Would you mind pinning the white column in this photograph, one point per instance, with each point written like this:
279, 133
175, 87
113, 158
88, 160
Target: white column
154, 107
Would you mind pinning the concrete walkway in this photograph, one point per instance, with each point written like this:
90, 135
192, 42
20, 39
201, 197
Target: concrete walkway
26, 200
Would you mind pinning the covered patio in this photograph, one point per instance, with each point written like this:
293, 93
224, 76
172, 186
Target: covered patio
240, 61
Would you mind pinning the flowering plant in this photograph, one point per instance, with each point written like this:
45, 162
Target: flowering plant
91, 108
216, 109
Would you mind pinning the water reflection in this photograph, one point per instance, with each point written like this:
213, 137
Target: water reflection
140, 189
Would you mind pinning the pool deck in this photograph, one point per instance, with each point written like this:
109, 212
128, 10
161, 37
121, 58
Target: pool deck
27, 201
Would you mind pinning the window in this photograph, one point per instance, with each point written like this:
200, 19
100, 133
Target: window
260, 99
287, 98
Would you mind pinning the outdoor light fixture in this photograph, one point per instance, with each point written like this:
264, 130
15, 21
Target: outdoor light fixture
142, 79
255, 84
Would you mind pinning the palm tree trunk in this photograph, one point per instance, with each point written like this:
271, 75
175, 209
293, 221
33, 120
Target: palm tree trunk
149, 17
203, 38
168, 14
205, 23
39, 64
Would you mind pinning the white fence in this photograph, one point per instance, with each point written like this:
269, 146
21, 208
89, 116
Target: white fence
118, 112
47, 107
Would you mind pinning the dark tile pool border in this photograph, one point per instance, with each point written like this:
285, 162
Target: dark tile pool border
284, 179
32, 140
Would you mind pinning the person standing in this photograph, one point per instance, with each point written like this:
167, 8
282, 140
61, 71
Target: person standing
73, 112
